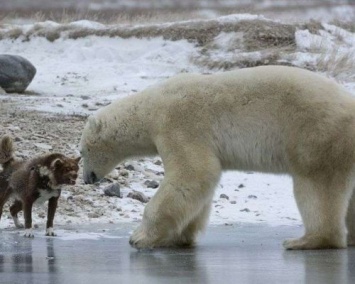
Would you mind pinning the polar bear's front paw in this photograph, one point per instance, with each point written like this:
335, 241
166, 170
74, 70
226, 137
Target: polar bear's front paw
29, 233
140, 240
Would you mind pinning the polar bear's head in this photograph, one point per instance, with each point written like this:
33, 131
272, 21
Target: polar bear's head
96, 151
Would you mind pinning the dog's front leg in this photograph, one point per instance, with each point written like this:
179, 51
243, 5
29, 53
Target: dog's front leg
27, 212
52, 207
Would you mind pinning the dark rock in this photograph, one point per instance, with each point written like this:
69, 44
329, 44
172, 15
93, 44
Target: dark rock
16, 73
158, 163
151, 183
245, 210
113, 190
140, 196
129, 168
224, 196
252, 197
233, 202
241, 185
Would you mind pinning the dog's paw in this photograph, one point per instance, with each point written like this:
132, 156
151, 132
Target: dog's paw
50, 232
28, 233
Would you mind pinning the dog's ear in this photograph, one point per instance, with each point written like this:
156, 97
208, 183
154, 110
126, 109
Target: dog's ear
56, 163
77, 160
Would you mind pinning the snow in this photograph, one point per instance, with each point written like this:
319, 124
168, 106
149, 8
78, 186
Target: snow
81, 75
93, 71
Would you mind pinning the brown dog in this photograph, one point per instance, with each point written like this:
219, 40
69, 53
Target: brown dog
34, 182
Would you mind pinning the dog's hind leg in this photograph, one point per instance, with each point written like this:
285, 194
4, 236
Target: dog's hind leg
14, 209
4, 196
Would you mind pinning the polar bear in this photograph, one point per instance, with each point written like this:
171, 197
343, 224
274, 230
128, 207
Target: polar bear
271, 119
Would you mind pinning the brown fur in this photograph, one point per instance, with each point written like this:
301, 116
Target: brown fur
36, 180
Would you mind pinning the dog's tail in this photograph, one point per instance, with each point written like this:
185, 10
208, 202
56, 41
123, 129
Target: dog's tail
6, 149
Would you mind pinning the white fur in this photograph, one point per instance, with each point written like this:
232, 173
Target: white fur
44, 171
45, 195
269, 119
50, 232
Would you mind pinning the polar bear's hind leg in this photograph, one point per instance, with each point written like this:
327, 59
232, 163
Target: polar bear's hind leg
350, 221
323, 206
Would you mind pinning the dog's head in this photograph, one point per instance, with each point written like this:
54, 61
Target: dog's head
64, 170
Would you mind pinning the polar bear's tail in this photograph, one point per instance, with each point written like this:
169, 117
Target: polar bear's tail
6, 149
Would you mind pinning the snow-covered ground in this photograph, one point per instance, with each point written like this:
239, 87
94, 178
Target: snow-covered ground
78, 76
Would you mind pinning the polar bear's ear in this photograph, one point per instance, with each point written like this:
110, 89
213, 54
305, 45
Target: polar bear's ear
94, 124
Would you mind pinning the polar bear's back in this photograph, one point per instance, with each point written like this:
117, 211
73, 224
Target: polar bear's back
264, 118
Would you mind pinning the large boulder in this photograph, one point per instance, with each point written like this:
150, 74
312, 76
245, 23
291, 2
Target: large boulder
16, 73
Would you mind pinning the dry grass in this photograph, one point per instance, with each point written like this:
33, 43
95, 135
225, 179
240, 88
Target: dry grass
108, 17
337, 64
259, 33
240, 61
274, 42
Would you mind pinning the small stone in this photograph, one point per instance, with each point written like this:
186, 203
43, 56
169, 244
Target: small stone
43, 146
233, 202
140, 196
245, 210
151, 183
158, 162
224, 196
124, 173
84, 97
113, 190
70, 198
41, 215
252, 197
241, 185
93, 215
129, 168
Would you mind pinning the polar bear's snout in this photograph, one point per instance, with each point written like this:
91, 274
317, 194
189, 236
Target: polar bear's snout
90, 178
